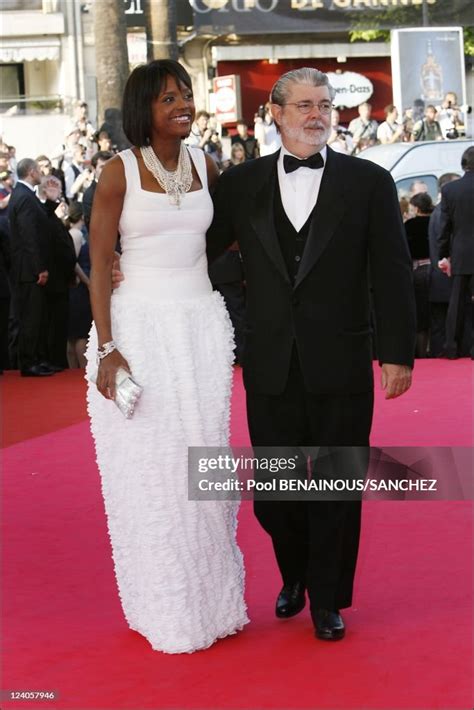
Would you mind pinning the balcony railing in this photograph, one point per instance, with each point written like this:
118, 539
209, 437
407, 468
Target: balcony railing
29, 105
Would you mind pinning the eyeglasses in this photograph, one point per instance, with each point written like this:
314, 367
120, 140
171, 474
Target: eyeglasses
324, 107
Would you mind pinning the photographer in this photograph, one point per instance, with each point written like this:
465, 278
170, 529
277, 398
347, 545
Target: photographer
450, 116
390, 131
428, 129
201, 133
265, 131
340, 138
363, 128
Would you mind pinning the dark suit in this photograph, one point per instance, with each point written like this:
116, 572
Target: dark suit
456, 241
307, 363
61, 275
31, 254
440, 288
87, 202
5, 262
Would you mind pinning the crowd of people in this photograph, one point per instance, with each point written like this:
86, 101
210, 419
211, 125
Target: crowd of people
418, 123
77, 162
427, 226
45, 208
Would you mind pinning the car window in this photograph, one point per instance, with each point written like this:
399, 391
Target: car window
420, 183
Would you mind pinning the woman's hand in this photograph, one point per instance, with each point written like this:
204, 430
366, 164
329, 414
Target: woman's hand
107, 371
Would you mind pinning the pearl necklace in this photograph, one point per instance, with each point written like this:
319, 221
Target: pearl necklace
174, 182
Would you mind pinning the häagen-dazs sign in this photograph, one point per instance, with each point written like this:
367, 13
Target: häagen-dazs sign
351, 89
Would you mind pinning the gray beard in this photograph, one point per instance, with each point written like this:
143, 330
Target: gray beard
301, 135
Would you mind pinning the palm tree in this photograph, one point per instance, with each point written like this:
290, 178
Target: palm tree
111, 54
161, 29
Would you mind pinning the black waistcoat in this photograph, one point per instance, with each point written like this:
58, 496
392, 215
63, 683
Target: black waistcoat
292, 243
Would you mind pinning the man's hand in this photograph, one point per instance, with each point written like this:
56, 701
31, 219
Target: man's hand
396, 379
117, 275
52, 188
445, 266
43, 278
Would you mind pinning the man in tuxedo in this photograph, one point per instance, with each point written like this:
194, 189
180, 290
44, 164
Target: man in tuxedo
309, 222
61, 275
440, 283
456, 251
30, 256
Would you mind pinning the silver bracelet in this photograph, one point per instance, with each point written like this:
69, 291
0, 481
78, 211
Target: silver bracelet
105, 350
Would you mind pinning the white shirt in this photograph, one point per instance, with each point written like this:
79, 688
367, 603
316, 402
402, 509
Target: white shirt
70, 178
32, 188
299, 189
386, 131
268, 138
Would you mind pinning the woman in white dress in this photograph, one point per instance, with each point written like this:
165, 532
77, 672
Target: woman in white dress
178, 567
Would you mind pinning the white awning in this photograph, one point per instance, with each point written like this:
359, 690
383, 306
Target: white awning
29, 50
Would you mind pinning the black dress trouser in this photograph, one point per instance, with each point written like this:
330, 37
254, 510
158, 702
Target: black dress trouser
460, 311
30, 308
57, 305
314, 541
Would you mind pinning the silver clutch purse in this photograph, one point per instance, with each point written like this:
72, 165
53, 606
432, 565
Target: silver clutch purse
127, 392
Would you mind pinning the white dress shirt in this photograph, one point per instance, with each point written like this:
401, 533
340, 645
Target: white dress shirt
299, 189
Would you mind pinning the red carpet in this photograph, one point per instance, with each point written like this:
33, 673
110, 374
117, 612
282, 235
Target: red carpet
408, 643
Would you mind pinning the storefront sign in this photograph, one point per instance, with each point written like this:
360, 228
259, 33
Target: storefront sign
284, 16
227, 99
351, 89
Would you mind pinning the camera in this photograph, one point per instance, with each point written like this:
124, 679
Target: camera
261, 111
452, 133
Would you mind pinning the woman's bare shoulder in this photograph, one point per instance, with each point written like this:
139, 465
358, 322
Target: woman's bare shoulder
112, 178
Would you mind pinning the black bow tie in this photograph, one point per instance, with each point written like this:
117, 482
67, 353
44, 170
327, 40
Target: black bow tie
290, 163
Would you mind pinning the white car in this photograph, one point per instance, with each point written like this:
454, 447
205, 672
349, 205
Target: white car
422, 162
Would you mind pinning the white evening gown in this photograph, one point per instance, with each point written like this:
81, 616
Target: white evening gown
178, 567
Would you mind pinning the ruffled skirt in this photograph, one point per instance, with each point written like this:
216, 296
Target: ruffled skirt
178, 567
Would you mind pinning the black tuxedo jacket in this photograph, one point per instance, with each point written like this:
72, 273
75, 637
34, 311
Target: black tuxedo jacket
440, 283
30, 234
456, 229
356, 222
87, 202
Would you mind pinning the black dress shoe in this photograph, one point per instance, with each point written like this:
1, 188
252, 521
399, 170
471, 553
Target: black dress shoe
50, 366
449, 355
328, 625
291, 600
36, 371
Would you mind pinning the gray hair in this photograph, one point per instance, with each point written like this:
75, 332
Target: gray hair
24, 167
306, 75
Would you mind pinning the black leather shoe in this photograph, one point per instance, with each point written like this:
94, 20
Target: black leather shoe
449, 355
291, 600
49, 366
328, 625
36, 371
